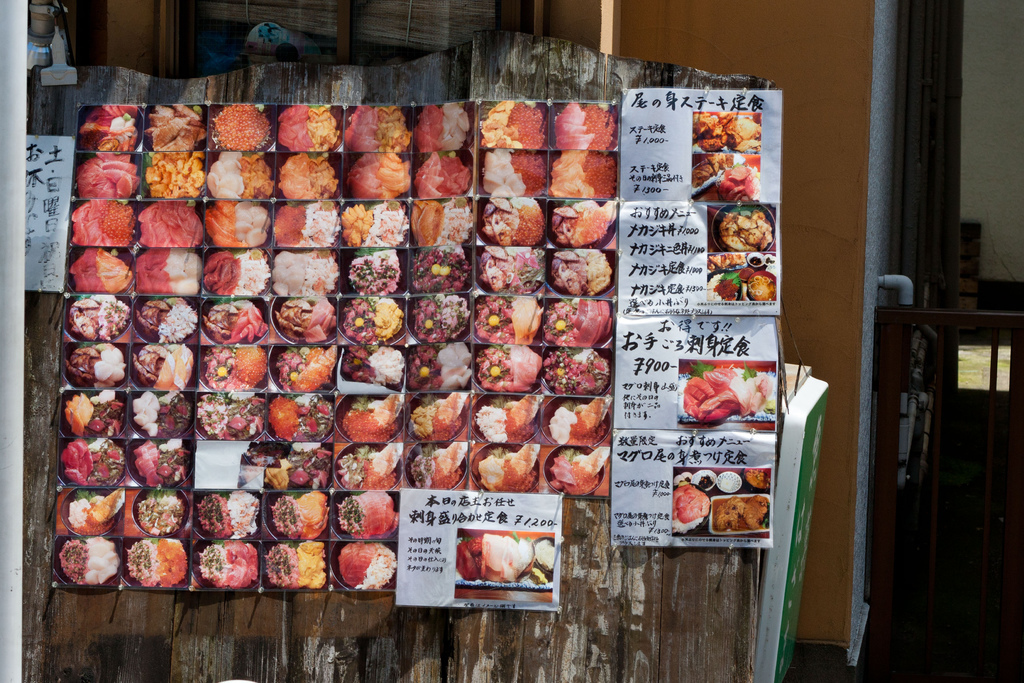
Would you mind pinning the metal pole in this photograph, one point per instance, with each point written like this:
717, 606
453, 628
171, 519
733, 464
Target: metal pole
13, 84
950, 250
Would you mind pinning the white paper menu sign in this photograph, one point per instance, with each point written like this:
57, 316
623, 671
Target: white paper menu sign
479, 550
668, 132
700, 171
48, 163
670, 263
692, 489
653, 144
696, 373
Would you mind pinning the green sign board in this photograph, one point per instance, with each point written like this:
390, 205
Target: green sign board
797, 475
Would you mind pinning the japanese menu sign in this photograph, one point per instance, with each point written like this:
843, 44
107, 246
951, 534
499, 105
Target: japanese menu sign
701, 179
482, 550
696, 352
281, 318
48, 163
692, 489
696, 373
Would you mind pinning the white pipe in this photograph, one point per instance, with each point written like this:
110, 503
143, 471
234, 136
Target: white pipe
926, 431
918, 349
922, 407
902, 284
41, 19
14, 42
904, 448
930, 334
912, 404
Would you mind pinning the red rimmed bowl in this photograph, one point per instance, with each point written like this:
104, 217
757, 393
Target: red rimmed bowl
95, 428
140, 479
601, 432
352, 557
81, 319
198, 509
296, 312
112, 527
457, 426
345, 459
175, 419
132, 582
200, 581
180, 530
230, 320
76, 448
152, 312
61, 576
78, 366
528, 486
276, 532
276, 367
549, 476
373, 508
370, 432
528, 430
412, 466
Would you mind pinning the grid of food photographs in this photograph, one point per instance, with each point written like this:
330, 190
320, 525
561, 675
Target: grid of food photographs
742, 231
278, 316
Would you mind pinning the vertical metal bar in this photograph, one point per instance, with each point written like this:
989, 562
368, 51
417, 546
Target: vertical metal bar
937, 168
919, 254
344, 32
509, 15
187, 40
13, 85
892, 341
541, 12
1011, 616
986, 533
913, 164
611, 26
953, 92
933, 532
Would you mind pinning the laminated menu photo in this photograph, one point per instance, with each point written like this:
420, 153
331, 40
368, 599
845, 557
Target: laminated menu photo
479, 550
693, 488
697, 373
279, 317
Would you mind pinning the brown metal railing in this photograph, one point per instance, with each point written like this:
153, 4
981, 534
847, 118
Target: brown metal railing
894, 328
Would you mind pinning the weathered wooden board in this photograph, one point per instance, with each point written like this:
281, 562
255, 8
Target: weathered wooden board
628, 614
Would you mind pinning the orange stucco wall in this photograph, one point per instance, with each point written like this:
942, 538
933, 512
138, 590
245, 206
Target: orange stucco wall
123, 34
820, 54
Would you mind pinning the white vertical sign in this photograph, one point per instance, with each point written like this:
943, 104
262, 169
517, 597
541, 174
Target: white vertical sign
48, 163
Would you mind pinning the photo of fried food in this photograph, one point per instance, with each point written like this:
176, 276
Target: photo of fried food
739, 514
726, 132
758, 477
719, 262
744, 228
709, 167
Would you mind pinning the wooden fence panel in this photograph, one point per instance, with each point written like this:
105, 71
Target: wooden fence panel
628, 614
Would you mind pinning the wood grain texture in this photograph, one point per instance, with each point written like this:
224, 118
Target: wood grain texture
628, 614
